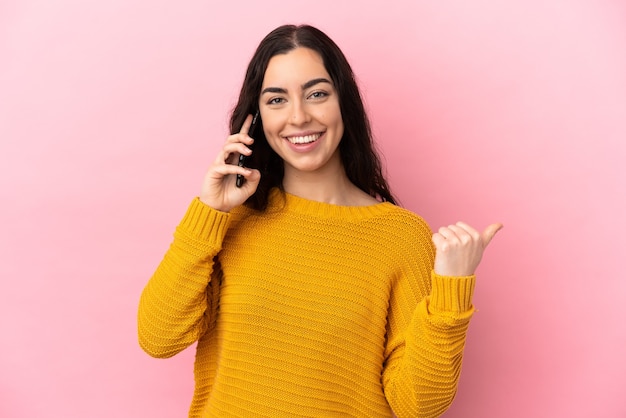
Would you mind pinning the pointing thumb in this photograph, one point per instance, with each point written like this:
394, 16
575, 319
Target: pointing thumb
490, 232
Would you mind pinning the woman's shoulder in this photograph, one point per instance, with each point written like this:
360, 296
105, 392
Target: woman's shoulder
402, 222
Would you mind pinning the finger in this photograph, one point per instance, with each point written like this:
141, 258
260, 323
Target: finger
230, 149
464, 235
239, 138
473, 233
224, 170
490, 232
237, 148
446, 232
245, 128
440, 242
454, 233
252, 177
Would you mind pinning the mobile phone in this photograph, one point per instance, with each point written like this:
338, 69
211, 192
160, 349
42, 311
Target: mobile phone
243, 158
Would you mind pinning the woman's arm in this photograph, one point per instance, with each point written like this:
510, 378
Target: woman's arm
177, 305
426, 341
424, 363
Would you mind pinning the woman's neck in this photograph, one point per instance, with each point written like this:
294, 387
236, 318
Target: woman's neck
327, 186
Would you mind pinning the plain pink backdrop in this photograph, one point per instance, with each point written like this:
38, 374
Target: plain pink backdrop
485, 111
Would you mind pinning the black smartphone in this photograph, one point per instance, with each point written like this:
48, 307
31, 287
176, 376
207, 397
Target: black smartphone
242, 158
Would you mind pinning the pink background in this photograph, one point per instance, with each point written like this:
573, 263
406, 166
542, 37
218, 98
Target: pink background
485, 110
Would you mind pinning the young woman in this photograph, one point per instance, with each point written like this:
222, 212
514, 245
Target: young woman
308, 291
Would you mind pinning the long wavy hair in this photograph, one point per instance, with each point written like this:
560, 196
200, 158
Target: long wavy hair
357, 150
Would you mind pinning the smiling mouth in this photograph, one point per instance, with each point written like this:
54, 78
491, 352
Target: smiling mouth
306, 139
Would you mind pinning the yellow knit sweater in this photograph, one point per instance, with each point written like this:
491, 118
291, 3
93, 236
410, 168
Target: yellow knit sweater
309, 310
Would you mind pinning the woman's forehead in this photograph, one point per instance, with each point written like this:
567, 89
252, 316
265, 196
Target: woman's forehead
296, 67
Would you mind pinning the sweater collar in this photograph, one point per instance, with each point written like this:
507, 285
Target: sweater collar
280, 200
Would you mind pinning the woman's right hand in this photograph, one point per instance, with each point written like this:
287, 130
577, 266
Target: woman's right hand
218, 189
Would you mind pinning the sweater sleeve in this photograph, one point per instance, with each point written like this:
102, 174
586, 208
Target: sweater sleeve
176, 306
426, 341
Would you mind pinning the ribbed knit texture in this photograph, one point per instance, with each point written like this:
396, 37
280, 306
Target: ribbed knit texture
309, 310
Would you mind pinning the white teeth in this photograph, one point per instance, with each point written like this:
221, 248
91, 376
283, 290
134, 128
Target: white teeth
303, 139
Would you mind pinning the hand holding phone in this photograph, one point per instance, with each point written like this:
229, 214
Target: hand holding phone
243, 158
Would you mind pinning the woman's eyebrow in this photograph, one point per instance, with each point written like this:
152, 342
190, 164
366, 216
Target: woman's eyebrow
305, 86
315, 81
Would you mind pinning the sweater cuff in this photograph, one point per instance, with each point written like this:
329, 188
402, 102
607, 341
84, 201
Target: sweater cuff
452, 294
205, 223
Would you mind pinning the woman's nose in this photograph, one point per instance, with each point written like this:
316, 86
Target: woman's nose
299, 114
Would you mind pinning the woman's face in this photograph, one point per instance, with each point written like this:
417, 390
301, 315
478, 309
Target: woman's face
300, 112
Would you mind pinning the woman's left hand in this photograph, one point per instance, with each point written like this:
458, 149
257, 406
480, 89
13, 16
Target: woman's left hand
460, 248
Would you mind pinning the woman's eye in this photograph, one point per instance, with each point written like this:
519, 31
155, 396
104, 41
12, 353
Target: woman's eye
275, 100
318, 94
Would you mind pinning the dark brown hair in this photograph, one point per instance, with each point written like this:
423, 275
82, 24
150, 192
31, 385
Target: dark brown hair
357, 150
